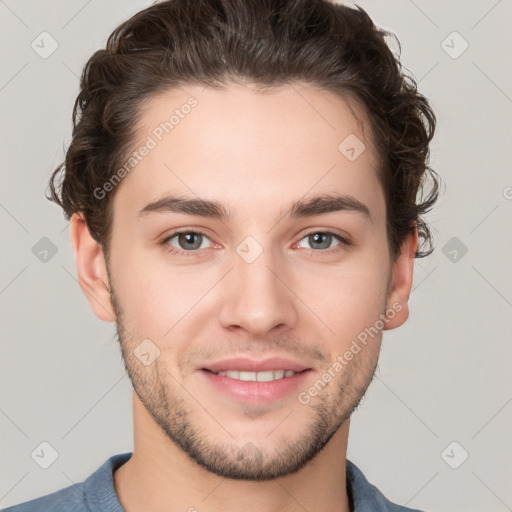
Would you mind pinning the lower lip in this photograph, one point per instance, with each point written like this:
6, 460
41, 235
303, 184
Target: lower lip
253, 391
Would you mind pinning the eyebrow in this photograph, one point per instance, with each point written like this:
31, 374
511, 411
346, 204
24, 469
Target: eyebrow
316, 205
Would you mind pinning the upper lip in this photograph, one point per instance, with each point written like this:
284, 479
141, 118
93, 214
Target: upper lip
253, 365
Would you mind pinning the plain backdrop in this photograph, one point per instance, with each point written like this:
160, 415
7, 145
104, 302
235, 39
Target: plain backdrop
433, 432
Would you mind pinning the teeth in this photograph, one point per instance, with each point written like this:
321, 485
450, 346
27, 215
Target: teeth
257, 376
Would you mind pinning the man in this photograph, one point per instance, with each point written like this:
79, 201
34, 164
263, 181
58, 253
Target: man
242, 186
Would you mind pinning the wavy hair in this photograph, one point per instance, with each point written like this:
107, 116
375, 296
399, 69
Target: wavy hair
266, 43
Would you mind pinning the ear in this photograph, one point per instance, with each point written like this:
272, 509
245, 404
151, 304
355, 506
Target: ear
401, 282
91, 269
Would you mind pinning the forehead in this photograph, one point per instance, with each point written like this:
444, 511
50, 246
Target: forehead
250, 150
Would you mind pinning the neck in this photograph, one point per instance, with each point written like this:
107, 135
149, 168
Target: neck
161, 477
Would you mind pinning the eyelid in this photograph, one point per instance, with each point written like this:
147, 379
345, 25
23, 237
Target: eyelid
342, 235
180, 231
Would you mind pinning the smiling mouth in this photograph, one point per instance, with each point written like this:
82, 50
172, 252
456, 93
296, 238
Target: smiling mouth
256, 387
263, 376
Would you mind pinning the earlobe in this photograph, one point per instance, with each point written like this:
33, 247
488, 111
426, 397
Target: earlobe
91, 269
397, 306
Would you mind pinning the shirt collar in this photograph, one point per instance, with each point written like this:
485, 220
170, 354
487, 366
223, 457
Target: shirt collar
101, 495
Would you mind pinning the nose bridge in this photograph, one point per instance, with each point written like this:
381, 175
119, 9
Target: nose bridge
256, 298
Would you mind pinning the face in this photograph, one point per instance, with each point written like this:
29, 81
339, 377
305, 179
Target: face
191, 288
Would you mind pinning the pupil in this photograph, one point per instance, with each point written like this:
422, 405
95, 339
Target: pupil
184, 239
315, 239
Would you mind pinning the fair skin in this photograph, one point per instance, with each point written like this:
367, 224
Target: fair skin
195, 447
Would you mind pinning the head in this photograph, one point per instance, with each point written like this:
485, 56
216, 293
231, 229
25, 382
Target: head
240, 125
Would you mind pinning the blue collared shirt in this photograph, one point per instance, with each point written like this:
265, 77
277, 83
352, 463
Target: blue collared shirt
97, 493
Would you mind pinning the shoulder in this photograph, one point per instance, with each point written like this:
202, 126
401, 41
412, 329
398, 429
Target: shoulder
97, 492
365, 497
70, 498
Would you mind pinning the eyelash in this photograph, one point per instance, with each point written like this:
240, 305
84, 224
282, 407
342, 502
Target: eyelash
179, 252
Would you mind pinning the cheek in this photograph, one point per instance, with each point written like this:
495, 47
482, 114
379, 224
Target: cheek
349, 299
158, 299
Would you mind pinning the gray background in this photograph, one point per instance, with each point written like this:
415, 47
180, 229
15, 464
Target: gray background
443, 377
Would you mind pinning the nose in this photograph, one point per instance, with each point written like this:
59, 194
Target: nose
257, 297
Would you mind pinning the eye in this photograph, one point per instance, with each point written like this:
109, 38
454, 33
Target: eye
188, 242
321, 241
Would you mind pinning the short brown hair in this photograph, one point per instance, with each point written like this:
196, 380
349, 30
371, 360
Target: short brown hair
267, 43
